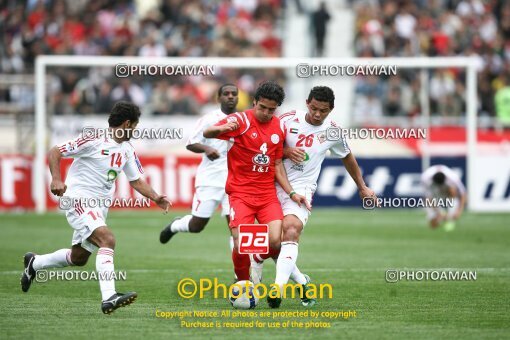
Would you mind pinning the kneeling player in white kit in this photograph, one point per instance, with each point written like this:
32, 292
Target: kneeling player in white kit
211, 173
440, 182
306, 145
97, 162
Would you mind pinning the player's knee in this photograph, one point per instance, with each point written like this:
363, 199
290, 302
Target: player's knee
236, 243
107, 240
79, 259
291, 234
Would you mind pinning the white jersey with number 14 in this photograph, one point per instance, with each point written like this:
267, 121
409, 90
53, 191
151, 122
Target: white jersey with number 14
97, 163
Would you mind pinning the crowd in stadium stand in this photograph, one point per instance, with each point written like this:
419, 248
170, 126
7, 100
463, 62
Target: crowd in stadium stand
251, 28
434, 28
148, 28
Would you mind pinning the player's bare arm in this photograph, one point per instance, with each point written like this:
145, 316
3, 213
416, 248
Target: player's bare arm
215, 131
281, 178
146, 190
210, 152
57, 186
297, 155
352, 167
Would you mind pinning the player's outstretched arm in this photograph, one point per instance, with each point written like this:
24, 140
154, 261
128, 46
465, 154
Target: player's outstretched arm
57, 186
216, 130
211, 153
146, 190
352, 167
283, 180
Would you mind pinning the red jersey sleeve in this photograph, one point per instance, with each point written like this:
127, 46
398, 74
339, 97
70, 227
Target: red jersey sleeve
279, 148
240, 118
279, 151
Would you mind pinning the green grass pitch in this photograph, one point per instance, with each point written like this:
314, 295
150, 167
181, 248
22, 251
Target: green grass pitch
349, 249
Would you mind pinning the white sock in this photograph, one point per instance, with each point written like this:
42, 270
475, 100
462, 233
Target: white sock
297, 276
58, 259
104, 267
181, 225
231, 243
286, 262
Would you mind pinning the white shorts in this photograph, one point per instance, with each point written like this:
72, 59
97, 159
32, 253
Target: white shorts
448, 212
84, 221
207, 199
290, 207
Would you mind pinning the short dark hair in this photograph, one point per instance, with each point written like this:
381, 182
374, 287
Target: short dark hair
439, 178
220, 90
123, 111
270, 90
322, 94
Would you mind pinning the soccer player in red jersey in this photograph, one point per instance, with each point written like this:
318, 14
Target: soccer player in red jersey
254, 163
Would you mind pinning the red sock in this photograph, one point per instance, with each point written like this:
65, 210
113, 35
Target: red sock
241, 265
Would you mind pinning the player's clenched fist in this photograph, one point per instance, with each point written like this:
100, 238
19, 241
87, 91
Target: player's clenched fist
366, 192
58, 187
216, 130
230, 126
296, 155
212, 154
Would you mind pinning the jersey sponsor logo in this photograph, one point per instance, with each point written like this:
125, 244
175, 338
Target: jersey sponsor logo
301, 166
275, 138
111, 175
298, 167
260, 159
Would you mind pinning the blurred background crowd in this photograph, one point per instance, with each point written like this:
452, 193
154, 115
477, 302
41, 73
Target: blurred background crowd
251, 28
174, 28
435, 28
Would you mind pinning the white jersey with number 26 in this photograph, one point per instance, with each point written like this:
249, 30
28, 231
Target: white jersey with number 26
312, 139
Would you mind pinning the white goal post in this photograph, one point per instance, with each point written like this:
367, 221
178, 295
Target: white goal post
42, 62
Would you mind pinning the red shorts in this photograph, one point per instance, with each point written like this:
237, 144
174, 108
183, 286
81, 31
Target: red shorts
245, 209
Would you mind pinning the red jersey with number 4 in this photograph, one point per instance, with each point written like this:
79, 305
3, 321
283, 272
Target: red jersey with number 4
253, 149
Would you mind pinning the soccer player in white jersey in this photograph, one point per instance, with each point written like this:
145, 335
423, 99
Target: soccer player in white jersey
97, 162
211, 173
440, 182
306, 145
